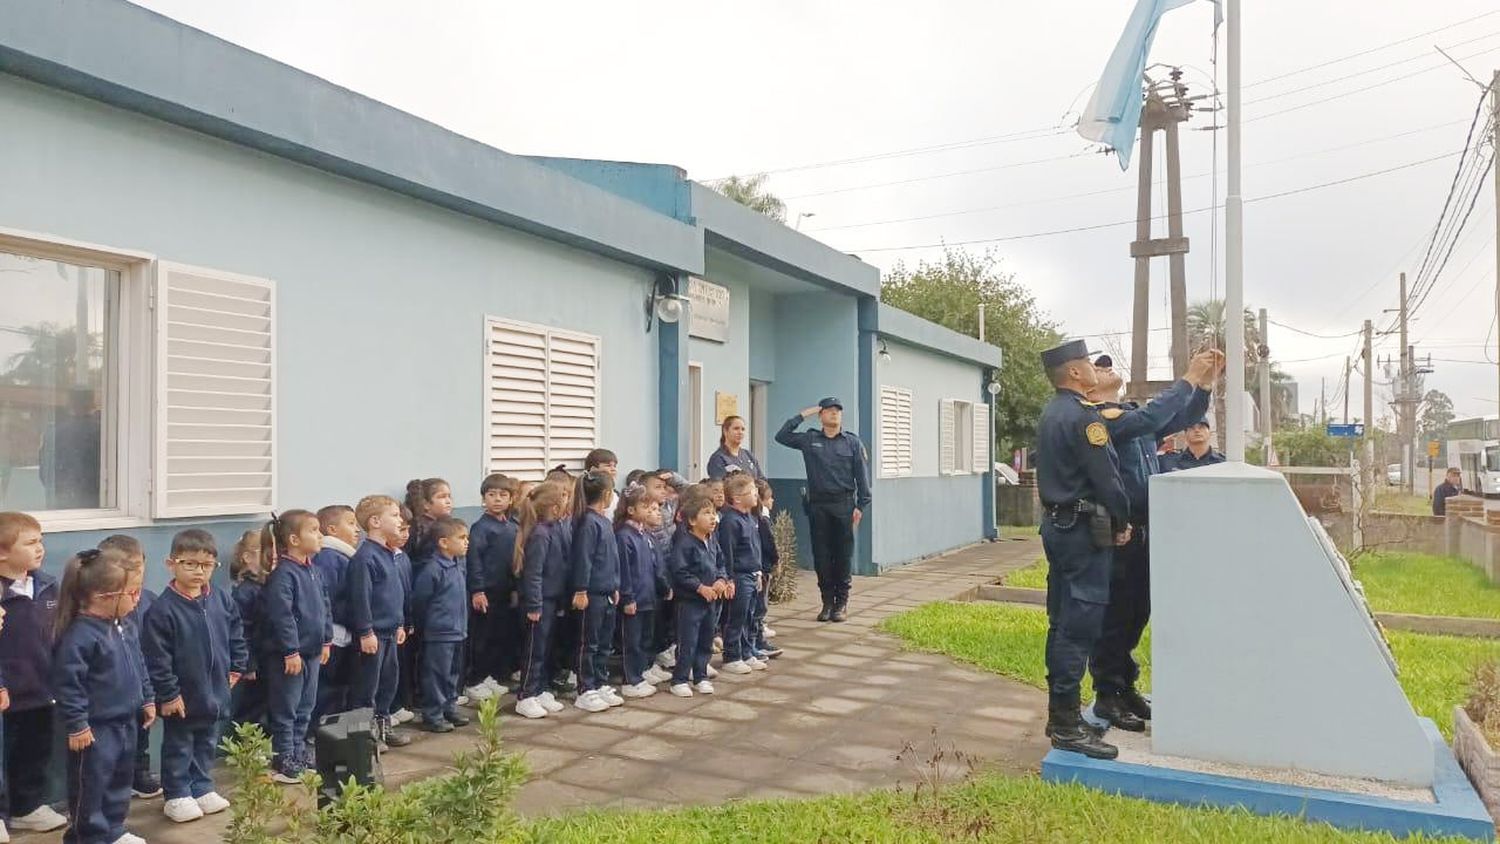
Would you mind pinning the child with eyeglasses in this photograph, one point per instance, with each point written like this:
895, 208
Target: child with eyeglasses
195, 652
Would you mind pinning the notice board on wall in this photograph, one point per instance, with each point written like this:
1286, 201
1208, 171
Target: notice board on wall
725, 406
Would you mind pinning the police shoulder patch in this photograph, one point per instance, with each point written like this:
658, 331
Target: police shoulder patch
1096, 433
1111, 413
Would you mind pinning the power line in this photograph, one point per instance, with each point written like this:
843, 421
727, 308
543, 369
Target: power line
970, 172
1096, 226
1293, 328
1355, 75
1405, 40
1453, 187
1432, 281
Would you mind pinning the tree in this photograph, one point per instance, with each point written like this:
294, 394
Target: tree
1434, 414
1206, 329
949, 292
750, 191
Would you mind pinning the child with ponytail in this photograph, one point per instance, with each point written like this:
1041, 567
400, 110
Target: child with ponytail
249, 706
541, 566
643, 583
297, 636
103, 694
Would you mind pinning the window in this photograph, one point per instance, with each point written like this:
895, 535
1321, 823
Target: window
59, 340
542, 387
895, 432
964, 437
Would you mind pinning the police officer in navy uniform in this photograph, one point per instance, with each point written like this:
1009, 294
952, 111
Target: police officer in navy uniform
838, 494
1136, 431
1200, 449
1087, 515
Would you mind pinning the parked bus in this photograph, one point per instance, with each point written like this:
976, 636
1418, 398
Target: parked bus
1473, 447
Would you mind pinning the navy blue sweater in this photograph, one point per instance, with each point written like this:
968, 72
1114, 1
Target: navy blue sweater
135, 620
769, 556
98, 673
192, 645
739, 542
333, 569
492, 547
694, 563
26, 644
376, 588
294, 611
545, 571
247, 599
643, 577
595, 560
439, 600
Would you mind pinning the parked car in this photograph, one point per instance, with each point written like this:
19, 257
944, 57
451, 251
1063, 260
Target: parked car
1393, 474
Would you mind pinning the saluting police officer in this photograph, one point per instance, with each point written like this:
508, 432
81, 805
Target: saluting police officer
1135, 431
1087, 515
838, 494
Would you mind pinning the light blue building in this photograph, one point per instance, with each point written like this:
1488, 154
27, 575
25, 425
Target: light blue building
292, 295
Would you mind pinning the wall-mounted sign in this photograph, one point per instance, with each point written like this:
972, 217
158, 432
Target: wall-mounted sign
710, 310
725, 406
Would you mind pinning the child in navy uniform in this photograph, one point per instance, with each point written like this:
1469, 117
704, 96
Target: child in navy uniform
297, 635
249, 694
595, 582
494, 630
103, 696
29, 597
541, 565
440, 613
698, 583
144, 784
376, 591
770, 558
739, 546
340, 534
195, 653
642, 583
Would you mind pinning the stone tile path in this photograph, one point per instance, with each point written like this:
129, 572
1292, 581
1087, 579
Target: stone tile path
829, 716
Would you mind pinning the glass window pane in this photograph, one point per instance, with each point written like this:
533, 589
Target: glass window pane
57, 342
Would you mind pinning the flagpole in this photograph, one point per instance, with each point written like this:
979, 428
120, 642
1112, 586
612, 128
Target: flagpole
1234, 252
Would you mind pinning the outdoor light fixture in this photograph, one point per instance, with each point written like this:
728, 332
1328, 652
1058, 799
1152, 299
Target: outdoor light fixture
885, 353
993, 387
664, 302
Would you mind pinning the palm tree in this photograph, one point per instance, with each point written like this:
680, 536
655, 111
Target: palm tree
1207, 329
750, 191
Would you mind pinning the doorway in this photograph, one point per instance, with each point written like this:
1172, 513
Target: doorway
695, 422
759, 391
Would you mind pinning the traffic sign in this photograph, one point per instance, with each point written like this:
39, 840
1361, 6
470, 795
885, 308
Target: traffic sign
1432, 448
1349, 431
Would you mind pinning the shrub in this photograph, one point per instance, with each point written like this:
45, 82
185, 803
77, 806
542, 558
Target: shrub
783, 586
1483, 705
471, 804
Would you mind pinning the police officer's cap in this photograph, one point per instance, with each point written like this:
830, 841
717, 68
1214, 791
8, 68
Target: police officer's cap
1069, 351
830, 402
1205, 422
1104, 362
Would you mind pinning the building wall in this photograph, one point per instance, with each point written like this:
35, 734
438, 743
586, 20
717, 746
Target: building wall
927, 512
381, 298
726, 366
816, 337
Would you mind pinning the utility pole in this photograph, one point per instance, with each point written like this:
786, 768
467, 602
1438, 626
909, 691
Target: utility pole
1369, 450
1495, 110
1264, 371
1404, 408
1323, 401
1347, 385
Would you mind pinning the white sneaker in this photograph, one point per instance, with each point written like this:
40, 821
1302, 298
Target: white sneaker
703, 687
43, 819
401, 716
718, 644
611, 697
4, 834
681, 690
549, 702
531, 708
572, 679
712, 672
667, 658
212, 803
479, 692
655, 676
128, 838
641, 689
494, 686
591, 702
462, 700
768, 632
756, 663
182, 810
739, 666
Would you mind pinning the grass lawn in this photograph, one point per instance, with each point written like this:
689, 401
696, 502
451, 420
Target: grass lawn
1395, 501
1018, 532
1009, 640
1428, 585
987, 808
1033, 576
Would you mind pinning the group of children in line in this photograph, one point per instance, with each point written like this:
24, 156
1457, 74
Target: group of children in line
379, 606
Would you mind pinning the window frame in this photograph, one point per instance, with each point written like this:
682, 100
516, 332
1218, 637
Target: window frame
887, 393
127, 470
489, 322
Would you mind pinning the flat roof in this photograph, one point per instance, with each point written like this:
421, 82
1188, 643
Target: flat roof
909, 328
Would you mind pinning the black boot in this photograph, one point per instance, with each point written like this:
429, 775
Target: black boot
839, 614
1071, 733
1114, 708
1136, 703
827, 610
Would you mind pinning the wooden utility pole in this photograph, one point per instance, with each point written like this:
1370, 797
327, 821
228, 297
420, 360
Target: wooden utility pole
1405, 426
1495, 111
1369, 450
1347, 389
1166, 107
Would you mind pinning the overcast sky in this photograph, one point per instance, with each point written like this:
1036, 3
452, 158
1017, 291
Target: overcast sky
721, 88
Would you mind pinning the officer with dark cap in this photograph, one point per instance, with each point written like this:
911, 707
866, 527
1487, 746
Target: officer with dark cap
1200, 449
1136, 431
1087, 515
838, 494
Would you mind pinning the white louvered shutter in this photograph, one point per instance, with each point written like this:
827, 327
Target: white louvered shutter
516, 399
895, 432
982, 436
215, 360
573, 398
947, 442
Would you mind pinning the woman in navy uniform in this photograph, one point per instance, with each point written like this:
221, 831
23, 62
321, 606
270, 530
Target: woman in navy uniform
838, 494
1087, 514
732, 455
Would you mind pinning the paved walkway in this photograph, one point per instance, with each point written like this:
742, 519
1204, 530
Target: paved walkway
829, 716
